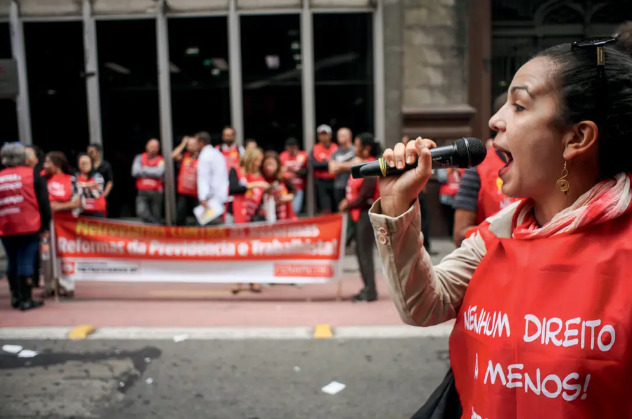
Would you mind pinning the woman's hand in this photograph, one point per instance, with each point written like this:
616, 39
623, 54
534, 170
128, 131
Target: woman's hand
397, 193
344, 204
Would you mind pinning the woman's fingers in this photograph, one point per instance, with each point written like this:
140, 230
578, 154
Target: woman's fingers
411, 152
388, 157
400, 155
423, 146
403, 154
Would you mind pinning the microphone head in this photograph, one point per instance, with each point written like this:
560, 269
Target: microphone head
469, 152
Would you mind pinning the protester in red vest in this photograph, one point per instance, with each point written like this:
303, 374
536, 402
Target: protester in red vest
186, 155
360, 195
246, 187
541, 291
64, 194
294, 161
280, 190
149, 169
231, 151
480, 195
92, 186
24, 217
323, 179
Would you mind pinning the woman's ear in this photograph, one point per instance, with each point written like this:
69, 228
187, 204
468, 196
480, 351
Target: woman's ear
582, 139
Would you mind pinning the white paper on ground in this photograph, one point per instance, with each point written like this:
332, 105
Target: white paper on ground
206, 215
180, 338
27, 353
12, 349
333, 388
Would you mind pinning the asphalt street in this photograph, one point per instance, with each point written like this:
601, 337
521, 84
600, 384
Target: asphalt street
384, 378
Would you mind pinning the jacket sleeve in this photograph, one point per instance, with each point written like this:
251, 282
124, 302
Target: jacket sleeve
424, 295
318, 165
41, 192
156, 171
137, 167
234, 186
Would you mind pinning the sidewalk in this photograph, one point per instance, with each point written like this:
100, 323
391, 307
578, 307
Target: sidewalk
104, 304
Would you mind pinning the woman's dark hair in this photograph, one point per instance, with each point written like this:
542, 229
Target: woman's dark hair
98, 147
367, 140
59, 160
274, 155
607, 100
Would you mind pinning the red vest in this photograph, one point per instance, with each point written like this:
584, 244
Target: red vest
245, 205
231, 155
322, 154
451, 187
353, 191
296, 162
149, 183
59, 188
91, 204
19, 210
284, 211
490, 197
545, 327
187, 177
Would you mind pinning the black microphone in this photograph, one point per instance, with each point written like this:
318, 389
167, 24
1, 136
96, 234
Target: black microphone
463, 153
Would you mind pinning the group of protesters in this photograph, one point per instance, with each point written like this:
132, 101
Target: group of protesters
240, 184
254, 185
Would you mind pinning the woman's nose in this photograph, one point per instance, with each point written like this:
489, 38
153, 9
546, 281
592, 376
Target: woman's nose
496, 122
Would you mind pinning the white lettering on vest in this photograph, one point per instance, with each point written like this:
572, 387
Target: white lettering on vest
548, 331
493, 372
552, 386
511, 376
486, 323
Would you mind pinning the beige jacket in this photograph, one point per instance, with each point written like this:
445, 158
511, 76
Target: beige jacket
425, 295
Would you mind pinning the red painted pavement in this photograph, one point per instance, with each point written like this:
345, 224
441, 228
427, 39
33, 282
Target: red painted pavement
205, 305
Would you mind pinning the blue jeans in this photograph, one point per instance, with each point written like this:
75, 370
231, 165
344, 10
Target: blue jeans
21, 252
297, 203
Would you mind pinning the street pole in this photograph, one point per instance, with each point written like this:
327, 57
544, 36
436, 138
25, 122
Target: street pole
166, 133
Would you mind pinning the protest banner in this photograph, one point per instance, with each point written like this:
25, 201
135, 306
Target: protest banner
307, 250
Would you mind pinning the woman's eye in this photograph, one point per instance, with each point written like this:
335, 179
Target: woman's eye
518, 107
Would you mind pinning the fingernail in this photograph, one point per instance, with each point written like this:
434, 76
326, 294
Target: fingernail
410, 160
400, 164
391, 163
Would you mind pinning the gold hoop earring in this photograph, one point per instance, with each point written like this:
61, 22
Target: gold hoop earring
562, 183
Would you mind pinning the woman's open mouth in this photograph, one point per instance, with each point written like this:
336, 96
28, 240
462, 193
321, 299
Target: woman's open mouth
506, 157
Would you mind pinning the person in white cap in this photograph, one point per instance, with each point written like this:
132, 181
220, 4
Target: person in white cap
323, 179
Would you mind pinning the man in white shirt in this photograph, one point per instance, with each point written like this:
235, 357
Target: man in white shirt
212, 177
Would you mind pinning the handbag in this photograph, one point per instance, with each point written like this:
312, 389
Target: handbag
443, 403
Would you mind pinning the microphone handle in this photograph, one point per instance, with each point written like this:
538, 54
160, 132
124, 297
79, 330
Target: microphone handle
441, 157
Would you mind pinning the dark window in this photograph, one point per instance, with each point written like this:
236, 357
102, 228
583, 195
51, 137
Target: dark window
200, 97
8, 116
271, 74
128, 75
57, 87
343, 70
